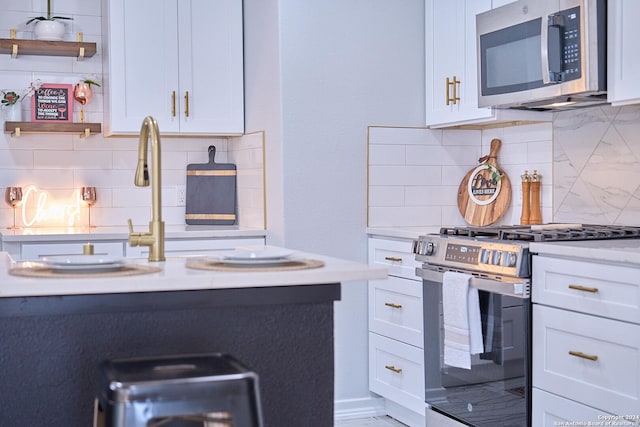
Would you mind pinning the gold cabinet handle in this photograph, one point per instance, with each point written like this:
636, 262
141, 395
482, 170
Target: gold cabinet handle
451, 87
393, 369
583, 288
173, 103
456, 83
392, 258
583, 355
392, 305
186, 104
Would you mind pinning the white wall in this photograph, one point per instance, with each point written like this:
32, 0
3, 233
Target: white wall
319, 73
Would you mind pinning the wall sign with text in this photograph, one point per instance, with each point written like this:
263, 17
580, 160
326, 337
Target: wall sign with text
52, 103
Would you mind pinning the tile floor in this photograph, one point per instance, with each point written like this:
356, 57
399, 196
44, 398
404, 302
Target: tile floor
370, 422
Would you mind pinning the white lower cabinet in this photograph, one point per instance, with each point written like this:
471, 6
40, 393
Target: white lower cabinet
396, 355
553, 410
586, 341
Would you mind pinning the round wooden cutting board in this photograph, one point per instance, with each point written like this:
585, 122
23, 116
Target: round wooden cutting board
484, 194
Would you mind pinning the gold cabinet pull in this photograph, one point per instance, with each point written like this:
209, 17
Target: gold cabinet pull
392, 305
583, 288
393, 369
392, 258
451, 87
173, 103
456, 83
583, 355
186, 104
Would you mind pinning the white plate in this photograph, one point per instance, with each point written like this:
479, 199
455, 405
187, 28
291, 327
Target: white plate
83, 263
259, 253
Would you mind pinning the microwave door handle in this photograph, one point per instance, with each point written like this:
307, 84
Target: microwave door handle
544, 49
551, 40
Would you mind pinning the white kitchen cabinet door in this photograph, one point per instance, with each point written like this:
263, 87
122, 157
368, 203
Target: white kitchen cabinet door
450, 45
178, 61
623, 44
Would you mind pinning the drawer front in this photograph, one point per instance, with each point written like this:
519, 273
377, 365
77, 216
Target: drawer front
194, 247
396, 372
34, 251
601, 289
550, 410
564, 343
395, 309
395, 255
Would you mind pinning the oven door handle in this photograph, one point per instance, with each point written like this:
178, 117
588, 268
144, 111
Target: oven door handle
518, 288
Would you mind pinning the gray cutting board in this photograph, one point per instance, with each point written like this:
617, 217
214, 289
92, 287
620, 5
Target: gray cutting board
211, 192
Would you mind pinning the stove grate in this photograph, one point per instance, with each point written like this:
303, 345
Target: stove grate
528, 234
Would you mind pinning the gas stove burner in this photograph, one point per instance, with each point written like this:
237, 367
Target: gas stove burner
545, 232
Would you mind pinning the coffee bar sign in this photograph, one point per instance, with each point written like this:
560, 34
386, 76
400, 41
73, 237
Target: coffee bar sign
52, 103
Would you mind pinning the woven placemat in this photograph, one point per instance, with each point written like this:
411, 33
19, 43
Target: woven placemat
48, 272
298, 264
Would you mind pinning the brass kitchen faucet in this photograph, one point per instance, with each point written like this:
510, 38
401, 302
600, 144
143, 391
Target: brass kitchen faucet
155, 237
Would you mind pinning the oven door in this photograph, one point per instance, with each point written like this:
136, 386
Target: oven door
495, 391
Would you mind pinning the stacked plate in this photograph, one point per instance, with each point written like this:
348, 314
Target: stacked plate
83, 263
256, 257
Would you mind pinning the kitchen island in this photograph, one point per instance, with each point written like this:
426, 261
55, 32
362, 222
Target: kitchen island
55, 331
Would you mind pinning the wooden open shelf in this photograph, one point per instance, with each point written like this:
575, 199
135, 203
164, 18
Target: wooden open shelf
82, 129
48, 48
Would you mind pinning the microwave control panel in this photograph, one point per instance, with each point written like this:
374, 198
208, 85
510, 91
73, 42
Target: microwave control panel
564, 45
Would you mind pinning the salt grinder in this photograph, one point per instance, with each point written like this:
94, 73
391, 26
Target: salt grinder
535, 217
526, 198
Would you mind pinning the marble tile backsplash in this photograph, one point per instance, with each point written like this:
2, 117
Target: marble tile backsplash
597, 166
414, 173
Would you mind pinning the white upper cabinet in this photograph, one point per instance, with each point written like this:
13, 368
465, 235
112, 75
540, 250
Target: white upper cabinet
451, 65
180, 61
623, 62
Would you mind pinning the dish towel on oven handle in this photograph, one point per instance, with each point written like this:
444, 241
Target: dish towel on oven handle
462, 322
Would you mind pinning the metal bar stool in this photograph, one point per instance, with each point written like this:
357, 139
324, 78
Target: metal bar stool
203, 390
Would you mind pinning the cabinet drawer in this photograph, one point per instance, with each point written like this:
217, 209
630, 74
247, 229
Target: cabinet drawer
33, 251
395, 309
396, 372
603, 290
611, 383
194, 247
395, 255
551, 410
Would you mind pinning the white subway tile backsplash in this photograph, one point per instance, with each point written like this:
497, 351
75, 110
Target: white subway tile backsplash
387, 155
424, 192
386, 196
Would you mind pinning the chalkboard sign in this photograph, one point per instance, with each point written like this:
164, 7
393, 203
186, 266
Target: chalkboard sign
52, 103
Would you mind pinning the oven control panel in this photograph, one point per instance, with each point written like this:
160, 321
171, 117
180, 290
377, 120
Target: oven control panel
505, 258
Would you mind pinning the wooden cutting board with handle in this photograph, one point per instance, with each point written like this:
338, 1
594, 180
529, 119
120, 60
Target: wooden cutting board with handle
211, 192
484, 194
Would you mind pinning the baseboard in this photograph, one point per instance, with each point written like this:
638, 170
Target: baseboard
349, 409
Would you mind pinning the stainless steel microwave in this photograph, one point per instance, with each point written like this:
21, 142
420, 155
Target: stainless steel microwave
542, 54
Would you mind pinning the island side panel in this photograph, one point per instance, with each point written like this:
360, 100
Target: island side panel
51, 347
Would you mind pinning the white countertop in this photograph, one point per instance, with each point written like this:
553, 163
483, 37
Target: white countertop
626, 251
401, 232
176, 277
37, 234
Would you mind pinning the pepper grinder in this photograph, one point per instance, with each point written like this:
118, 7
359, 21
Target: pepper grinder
526, 198
536, 215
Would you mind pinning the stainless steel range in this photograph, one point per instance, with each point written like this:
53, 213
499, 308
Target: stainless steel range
496, 390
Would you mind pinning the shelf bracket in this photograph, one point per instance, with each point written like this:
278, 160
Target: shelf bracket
14, 51
16, 132
12, 33
81, 54
87, 133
